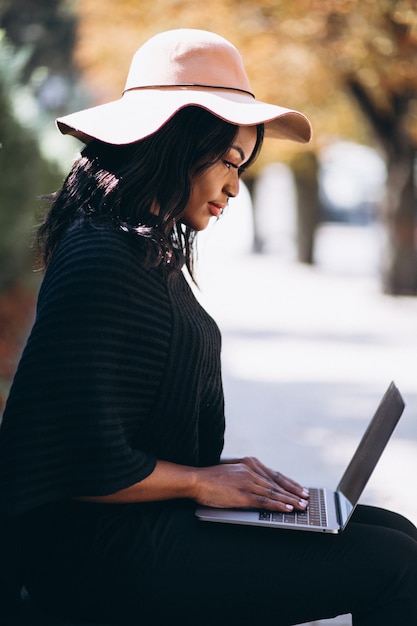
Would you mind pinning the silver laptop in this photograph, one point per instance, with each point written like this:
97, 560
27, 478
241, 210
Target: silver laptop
328, 511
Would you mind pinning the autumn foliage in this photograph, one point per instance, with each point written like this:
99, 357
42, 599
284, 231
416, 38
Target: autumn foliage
16, 314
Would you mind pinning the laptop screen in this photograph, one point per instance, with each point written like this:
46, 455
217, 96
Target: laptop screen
372, 445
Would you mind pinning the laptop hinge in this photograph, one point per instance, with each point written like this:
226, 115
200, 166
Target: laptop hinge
338, 509
344, 508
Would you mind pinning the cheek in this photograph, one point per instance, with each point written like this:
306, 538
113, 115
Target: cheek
209, 180
193, 198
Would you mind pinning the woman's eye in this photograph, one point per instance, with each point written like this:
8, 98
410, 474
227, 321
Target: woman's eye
229, 165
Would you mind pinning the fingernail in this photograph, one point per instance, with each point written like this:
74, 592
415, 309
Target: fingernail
305, 492
303, 503
289, 507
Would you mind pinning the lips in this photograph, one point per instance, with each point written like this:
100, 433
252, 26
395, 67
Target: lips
216, 208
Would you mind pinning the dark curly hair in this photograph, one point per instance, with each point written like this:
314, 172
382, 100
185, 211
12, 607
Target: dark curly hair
121, 184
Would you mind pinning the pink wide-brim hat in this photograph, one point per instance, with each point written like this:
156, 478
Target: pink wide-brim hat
176, 69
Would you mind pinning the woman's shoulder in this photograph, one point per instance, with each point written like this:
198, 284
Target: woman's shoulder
89, 234
98, 264
90, 243
99, 257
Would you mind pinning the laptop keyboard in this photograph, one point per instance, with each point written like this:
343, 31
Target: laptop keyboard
314, 515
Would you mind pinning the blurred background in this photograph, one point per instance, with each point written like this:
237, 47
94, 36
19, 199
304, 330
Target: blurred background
312, 273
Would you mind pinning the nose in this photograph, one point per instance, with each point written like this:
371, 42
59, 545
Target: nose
231, 187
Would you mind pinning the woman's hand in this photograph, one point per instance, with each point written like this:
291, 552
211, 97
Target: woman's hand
234, 483
247, 482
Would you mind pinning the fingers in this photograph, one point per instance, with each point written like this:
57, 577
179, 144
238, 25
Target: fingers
269, 490
248, 483
291, 485
278, 499
279, 483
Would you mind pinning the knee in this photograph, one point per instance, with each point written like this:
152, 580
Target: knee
384, 559
390, 596
395, 568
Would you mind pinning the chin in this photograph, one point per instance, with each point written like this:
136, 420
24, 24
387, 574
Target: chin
197, 226
201, 227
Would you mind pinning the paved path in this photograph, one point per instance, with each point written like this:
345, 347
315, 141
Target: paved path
307, 354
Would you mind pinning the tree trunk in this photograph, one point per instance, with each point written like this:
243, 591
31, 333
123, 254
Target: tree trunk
305, 169
399, 262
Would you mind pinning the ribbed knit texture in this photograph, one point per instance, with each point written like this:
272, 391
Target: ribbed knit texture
122, 368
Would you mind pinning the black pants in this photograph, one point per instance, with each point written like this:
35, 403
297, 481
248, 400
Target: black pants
154, 564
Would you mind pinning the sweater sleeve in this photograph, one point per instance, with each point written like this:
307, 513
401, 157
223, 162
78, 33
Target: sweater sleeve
88, 376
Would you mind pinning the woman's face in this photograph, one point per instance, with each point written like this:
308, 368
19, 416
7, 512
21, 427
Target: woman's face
212, 187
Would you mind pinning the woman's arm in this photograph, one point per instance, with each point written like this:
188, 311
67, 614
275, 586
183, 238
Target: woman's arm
237, 483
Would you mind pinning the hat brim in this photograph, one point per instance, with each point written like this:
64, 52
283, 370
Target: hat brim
140, 113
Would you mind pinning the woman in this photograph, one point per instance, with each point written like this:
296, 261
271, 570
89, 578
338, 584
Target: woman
114, 425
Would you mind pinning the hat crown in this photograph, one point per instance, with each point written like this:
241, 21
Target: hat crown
187, 57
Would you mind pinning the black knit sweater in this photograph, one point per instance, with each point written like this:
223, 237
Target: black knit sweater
122, 367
